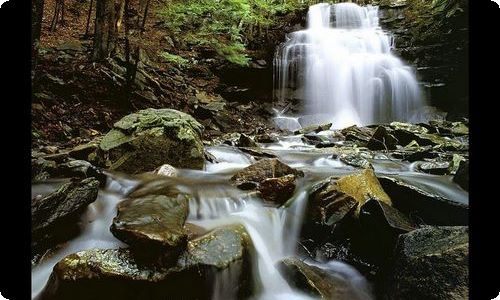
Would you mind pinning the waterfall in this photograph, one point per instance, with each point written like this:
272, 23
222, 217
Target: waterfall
341, 65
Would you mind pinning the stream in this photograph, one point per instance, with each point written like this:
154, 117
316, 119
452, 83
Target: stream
274, 231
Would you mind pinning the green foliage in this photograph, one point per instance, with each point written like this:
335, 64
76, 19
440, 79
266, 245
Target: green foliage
175, 59
222, 25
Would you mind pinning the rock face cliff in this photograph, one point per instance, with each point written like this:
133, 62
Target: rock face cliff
433, 36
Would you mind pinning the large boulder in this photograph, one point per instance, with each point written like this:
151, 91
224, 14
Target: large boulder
431, 263
142, 141
317, 282
116, 274
153, 225
433, 209
55, 218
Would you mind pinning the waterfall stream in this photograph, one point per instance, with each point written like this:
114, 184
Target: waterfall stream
274, 231
341, 66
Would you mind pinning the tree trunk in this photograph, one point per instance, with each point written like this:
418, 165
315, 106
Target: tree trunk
88, 19
105, 32
53, 24
36, 23
145, 16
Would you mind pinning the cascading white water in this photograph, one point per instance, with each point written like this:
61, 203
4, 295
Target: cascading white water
342, 65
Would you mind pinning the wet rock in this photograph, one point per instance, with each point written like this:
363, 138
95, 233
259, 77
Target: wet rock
83, 151
434, 167
432, 263
144, 140
264, 169
462, 175
378, 215
314, 128
258, 153
362, 187
278, 190
327, 206
218, 248
274, 179
115, 274
166, 170
315, 281
153, 225
266, 138
355, 160
55, 217
194, 231
382, 140
360, 135
79, 169
246, 141
431, 208
41, 169
415, 129
447, 127
315, 139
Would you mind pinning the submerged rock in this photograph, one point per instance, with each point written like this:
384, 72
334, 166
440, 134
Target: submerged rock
153, 225
362, 187
431, 208
317, 282
55, 217
141, 141
431, 263
116, 274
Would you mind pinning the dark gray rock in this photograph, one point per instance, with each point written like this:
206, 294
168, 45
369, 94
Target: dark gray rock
55, 218
431, 263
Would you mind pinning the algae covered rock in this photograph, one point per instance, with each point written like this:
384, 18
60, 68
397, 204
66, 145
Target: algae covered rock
116, 273
142, 141
362, 187
153, 224
432, 263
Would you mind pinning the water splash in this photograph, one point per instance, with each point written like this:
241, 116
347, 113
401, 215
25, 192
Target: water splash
342, 65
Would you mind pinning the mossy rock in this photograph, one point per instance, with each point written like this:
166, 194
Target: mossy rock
431, 263
116, 274
153, 225
142, 141
363, 186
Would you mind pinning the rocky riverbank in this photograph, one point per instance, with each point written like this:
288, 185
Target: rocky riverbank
383, 198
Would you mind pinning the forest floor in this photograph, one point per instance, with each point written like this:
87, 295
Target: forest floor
75, 99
